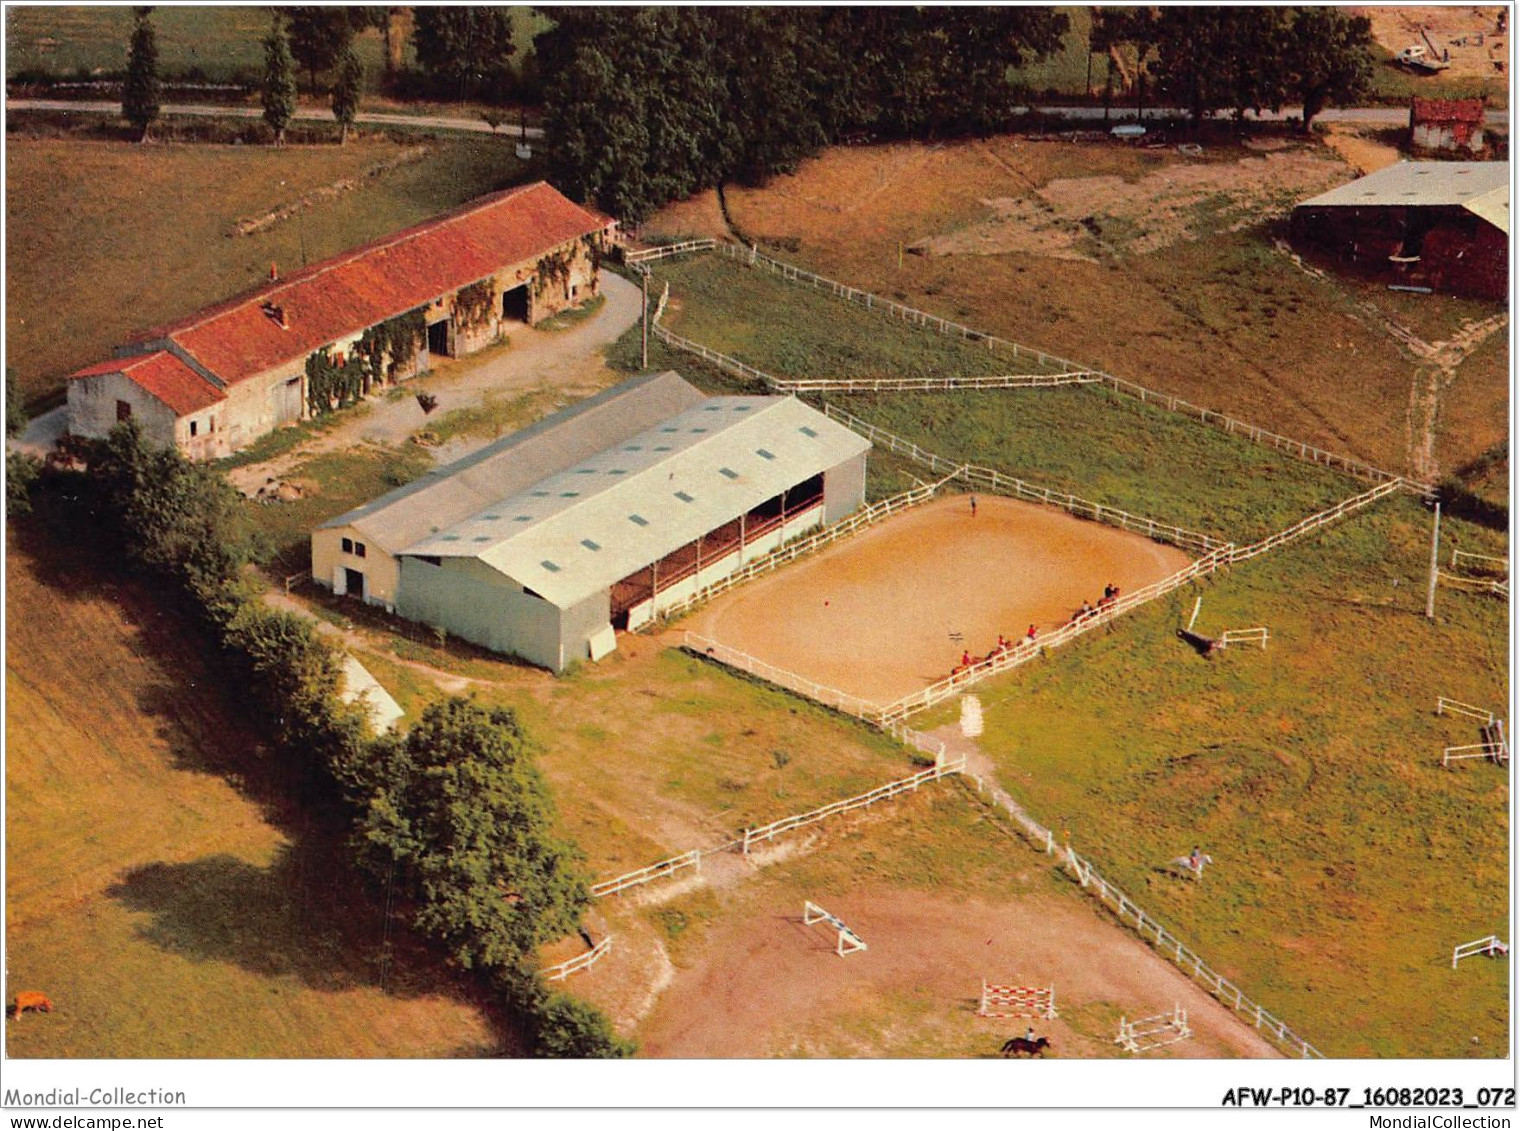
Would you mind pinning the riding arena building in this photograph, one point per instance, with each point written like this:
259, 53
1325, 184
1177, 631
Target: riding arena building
597, 519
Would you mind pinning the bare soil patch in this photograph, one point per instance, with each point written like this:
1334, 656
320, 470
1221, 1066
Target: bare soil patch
766, 985
892, 610
1073, 217
1445, 29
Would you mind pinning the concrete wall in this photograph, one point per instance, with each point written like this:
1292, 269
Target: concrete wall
382, 572
844, 489
474, 602
92, 408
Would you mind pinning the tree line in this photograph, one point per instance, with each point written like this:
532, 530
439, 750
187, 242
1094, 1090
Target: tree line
451, 822
647, 105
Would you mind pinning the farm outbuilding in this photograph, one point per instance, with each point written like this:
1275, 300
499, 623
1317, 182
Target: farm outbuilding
1437, 224
1447, 125
547, 543
214, 382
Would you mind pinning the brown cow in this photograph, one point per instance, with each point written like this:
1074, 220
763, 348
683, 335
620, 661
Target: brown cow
33, 1000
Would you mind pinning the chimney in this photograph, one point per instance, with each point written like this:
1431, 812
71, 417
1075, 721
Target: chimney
274, 272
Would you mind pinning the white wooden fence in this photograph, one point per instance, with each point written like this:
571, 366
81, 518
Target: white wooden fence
665, 251
850, 524
752, 837
1485, 561
1023, 652
832, 697
1315, 521
1495, 752
994, 481
1457, 707
1167, 944
664, 868
933, 384
1474, 584
1298, 449
1489, 945
1244, 636
580, 962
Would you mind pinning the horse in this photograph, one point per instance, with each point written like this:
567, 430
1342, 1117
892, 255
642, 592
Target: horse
1184, 864
1018, 1046
33, 1000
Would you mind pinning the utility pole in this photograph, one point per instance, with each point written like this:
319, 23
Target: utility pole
1435, 544
644, 322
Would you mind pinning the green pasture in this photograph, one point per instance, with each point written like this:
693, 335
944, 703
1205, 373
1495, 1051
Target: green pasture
1347, 861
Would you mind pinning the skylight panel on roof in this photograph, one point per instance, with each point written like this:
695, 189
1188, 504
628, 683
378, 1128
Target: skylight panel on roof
742, 407
539, 494
523, 518
663, 448
569, 494
638, 520
634, 448
590, 545
699, 429
550, 566
806, 431
763, 454
728, 471
684, 497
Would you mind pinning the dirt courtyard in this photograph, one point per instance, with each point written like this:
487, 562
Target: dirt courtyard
767, 985
891, 610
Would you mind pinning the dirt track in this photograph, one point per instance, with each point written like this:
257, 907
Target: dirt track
891, 610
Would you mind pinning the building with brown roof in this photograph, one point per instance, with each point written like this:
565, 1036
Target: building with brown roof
214, 382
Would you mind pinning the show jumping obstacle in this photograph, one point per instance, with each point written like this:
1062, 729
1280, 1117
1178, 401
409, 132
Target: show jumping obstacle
1001, 1000
849, 942
1490, 946
1147, 1033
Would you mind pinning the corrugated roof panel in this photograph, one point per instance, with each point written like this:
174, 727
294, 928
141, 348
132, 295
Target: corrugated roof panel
514, 463
666, 500
1418, 184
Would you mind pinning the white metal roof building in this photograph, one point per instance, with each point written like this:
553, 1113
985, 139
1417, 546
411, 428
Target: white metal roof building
1422, 225
1481, 187
550, 568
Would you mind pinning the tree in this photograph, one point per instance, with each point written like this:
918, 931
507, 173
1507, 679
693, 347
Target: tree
567, 1027
279, 80
317, 37
466, 47
21, 471
1327, 57
345, 95
460, 819
1211, 58
173, 516
15, 404
141, 92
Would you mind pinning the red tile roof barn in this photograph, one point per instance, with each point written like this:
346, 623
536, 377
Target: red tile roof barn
165, 376
1447, 110
345, 294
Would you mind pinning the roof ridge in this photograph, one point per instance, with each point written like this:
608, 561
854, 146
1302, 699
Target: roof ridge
608, 489
322, 267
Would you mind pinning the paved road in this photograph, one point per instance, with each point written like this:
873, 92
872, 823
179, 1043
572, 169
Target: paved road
537, 359
1361, 115
365, 117
1364, 115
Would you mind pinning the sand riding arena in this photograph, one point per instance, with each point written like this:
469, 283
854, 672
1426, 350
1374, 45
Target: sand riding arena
894, 609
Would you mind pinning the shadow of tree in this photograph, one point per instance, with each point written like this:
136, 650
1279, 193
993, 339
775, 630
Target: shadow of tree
310, 915
291, 919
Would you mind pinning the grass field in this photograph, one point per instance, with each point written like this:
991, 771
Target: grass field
162, 885
159, 221
1156, 267
699, 753
1105, 447
1347, 861
223, 44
